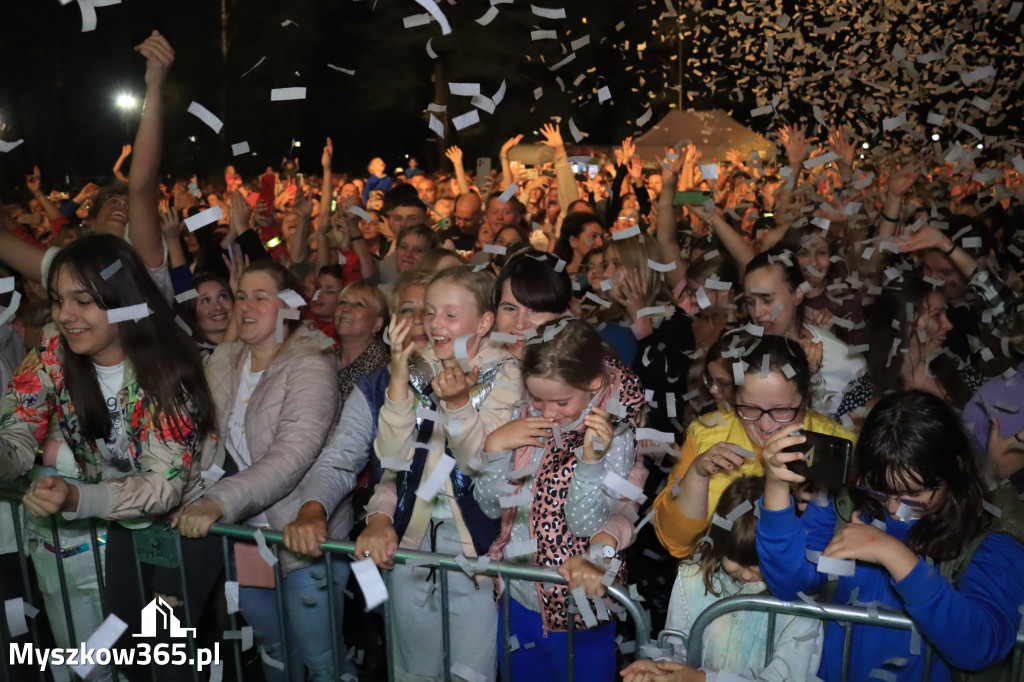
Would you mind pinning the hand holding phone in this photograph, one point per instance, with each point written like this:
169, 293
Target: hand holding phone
826, 459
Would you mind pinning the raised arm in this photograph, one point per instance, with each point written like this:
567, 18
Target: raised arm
34, 183
16, 252
454, 154
567, 191
126, 150
143, 179
506, 166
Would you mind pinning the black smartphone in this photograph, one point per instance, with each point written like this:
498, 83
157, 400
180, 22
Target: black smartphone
691, 198
826, 459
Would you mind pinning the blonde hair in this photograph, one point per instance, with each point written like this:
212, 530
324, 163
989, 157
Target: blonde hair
634, 254
372, 293
409, 278
479, 284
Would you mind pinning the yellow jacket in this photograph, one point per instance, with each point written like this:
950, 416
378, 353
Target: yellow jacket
676, 531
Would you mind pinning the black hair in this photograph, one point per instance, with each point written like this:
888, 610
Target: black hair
535, 283
572, 226
164, 359
914, 438
781, 351
402, 195
188, 308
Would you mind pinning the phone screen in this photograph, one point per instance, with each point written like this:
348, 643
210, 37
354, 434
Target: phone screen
691, 198
267, 190
826, 459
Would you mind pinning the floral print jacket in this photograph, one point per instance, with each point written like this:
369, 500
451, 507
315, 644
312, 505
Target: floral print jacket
157, 472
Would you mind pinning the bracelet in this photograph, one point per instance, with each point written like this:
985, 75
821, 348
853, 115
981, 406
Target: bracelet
891, 220
951, 250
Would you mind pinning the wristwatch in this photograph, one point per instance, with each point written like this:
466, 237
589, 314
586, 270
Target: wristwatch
607, 551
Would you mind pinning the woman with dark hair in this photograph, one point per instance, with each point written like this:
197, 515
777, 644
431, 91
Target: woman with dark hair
208, 313
918, 524
706, 294
774, 290
276, 391
722, 446
907, 327
125, 386
581, 233
528, 293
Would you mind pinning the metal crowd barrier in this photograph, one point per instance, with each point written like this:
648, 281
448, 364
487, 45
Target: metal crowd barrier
828, 612
446, 564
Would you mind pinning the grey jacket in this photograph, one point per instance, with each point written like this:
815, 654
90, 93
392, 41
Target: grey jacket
289, 418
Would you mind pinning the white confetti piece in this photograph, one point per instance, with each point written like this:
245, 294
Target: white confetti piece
520, 548
204, 218
573, 130
737, 373
372, 585
495, 249
978, 74
14, 609
521, 498
350, 72
629, 232
462, 670
623, 487
467, 119
548, 12
655, 435
286, 94
106, 274
644, 118
833, 566
206, 116
435, 12
395, 463
8, 146
709, 171
291, 298
433, 484
590, 295
240, 148
261, 546
702, 299
660, 267
105, 636
604, 94
245, 635
583, 604
132, 312
186, 296
464, 89
231, 595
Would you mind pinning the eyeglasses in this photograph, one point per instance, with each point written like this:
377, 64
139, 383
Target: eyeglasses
915, 505
782, 415
721, 385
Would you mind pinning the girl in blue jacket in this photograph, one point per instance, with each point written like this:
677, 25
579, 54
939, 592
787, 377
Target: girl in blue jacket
920, 507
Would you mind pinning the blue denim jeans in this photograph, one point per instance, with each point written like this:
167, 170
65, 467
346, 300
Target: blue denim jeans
307, 620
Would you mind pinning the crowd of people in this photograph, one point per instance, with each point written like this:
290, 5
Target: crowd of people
606, 371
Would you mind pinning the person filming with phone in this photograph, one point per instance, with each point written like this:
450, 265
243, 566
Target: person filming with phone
773, 390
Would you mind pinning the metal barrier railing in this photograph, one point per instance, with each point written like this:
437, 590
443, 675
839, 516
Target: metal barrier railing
841, 613
446, 564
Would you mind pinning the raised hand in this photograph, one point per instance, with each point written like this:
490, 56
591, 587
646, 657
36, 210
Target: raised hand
325, 158
795, 144
241, 212
901, 180
454, 154
635, 166
628, 149
452, 386
552, 136
159, 58
839, 140
511, 142
33, 181
303, 204
927, 237
126, 151
170, 223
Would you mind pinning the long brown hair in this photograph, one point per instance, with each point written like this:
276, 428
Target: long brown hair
738, 544
163, 357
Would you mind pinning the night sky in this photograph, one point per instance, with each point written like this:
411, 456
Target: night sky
860, 64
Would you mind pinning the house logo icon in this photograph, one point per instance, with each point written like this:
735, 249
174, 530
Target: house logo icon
158, 612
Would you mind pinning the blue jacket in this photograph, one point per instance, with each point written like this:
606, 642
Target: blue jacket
481, 528
384, 184
971, 626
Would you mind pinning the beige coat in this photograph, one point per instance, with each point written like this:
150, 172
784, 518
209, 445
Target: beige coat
290, 416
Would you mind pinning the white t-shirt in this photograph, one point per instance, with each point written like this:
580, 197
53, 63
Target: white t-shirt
119, 462
838, 368
236, 443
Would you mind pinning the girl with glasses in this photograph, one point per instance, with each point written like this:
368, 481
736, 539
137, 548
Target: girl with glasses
773, 389
928, 540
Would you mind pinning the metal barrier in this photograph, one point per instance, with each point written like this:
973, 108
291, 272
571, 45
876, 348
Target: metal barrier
828, 612
445, 563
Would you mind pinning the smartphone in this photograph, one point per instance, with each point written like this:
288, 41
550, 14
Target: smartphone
592, 170
268, 187
532, 173
826, 459
691, 198
483, 170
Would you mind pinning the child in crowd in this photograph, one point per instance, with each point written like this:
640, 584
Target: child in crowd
458, 318
545, 479
927, 537
726, 565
